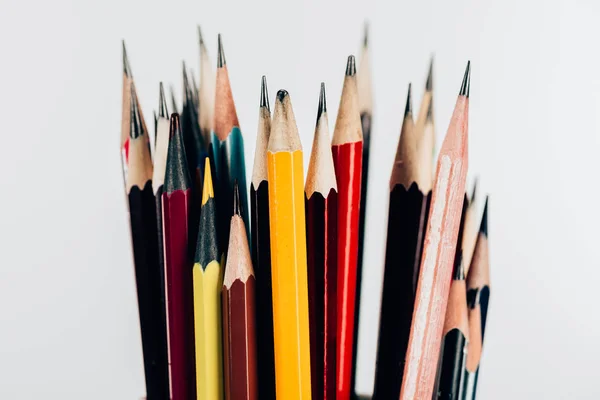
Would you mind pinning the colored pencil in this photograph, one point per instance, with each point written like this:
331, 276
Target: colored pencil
208, 279
455, 338
321, 231
410, 196
425, 127
478, 297
438, 254
227, 146
206, 92
471, 228
178, 270
239, 313
142, 212
365, 104
347, 157
288, 254
261, 251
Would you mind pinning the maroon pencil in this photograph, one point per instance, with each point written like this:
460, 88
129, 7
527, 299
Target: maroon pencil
176, 200
321, 232
239, 331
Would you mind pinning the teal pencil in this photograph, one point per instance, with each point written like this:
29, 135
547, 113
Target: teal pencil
227, 148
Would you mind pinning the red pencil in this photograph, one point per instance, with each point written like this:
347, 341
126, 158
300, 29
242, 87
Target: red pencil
439, 252
321, 243
177, 196
347, 147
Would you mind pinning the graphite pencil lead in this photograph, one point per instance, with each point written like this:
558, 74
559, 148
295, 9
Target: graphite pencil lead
137, 127
322, 102
237, 206
220, 53
351, 66
200, 39
466, 83
429, 83
187, 91
173, 101
484, 219
264, 94
408, 109
366, 35
126, 66
177, 173
474, 192
163, 112
281, 95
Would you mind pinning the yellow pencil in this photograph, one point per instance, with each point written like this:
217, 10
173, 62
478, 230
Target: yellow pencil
288, 254
208, 282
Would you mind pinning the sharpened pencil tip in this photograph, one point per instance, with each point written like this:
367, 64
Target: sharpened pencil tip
466, 83
237, 205
221, 54
351, 66
200, 39
126, 66
484, 219
429, 83
408, 109
281, 95
264, 94
322, 102
366, 35
163, 111
137, 128
474, 192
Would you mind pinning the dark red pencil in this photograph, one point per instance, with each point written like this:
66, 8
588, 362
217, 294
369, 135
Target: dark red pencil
321, 246
347, 157
176, 202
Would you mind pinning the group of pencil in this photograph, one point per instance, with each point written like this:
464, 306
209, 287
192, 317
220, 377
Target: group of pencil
259, 299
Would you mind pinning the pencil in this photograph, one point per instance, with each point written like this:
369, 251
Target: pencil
438, 254
471, 228
425, 128
142, 212
178, 270
410, 196
206, 92
455, 338
288, 254
478, 297
321, 231
208, 279
365, 104
261, 251
173, 100
239, 315
347, 158
228, 146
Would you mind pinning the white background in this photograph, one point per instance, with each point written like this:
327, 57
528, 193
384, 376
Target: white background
68, 314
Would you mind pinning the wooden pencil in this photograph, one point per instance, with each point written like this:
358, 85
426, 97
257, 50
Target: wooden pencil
365, 104
410, 196
425, 128
347, 157
471, 228
455, 338
173, 100
239, 313
261, 251
142, 212
206, 103
288, 254
178, 269
208, 281
227, 146
478, 297
438, 255
321, 232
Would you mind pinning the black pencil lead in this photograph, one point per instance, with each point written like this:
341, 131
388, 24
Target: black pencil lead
221, 54
137, 129
429, 83
173, 101
351, 66
366, 35
163, 111
237, 206
281, 95
474, 192
200, 39
264, 94
126, 66
322, 102
484, 219
408, 109
466, 83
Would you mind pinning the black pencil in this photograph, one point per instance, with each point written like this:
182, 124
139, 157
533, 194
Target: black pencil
410, 197
142, 211
261, 251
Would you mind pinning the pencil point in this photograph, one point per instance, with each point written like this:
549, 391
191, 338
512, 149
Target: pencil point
221, 54
429, 83
176, 174
466, 83
264, 94
366, 35
237, 206
173, 101
188, 94
322, 102
281, 95
163, 112
484, 219
351, 66
200, 39
208, 191
137, 128
408, 109
474, 192
126, 66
